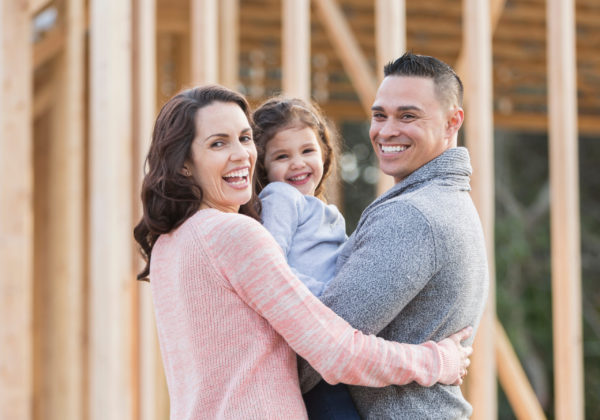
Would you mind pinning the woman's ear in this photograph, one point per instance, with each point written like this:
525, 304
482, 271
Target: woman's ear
185, 171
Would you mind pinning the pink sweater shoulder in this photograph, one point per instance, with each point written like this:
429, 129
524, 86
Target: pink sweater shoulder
225, 301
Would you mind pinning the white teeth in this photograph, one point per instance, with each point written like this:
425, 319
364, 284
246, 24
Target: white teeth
393, 149
299, 178
235, 174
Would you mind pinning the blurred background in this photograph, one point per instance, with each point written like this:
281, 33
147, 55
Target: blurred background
82, 81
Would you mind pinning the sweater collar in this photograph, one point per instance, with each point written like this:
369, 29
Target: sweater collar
453, 166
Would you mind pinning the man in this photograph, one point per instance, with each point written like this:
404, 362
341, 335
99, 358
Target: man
415, 269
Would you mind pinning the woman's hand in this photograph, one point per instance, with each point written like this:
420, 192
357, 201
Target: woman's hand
453, 346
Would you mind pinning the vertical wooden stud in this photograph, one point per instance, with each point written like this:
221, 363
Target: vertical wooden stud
479, 138
150, 381
16, 219
390, 27
65, 247
204, 42
564, 211
111, 284
230, 42
296, 48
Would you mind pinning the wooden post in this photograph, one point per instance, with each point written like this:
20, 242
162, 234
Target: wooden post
150, 378
204, 42
347, 47
496, 9
111, 295
564, 210
16, 227
390, 27
64, 362
479, 138
296, 48
230, 42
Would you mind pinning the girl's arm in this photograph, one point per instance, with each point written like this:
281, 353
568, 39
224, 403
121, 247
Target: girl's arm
251, 261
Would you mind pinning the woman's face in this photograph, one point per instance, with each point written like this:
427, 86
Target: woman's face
223, 156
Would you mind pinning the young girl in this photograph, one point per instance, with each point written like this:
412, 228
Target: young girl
295, 156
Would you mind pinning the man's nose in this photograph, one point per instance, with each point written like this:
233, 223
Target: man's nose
389, 129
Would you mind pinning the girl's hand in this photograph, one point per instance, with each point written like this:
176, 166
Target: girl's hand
453, 346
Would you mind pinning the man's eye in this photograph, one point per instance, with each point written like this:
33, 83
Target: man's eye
378, 115
408, 116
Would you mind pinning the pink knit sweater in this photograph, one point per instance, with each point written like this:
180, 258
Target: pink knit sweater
231, 316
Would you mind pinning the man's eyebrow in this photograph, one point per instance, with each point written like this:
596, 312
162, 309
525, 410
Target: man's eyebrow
398, 109
408, 108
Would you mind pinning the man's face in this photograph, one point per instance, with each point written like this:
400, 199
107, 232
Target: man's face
410, 126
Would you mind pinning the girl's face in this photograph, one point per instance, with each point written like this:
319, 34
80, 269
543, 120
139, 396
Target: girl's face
294, 156
223, 157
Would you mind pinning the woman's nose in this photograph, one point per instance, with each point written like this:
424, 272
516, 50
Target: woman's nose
239, 152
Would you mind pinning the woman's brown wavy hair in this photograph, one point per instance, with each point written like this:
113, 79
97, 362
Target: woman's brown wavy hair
168, 197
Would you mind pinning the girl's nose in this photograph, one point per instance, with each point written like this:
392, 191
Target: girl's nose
297, 162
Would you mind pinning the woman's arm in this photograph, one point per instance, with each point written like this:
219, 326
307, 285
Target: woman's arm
253, 264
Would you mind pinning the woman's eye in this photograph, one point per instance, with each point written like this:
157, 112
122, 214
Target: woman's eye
246, 139
217, 143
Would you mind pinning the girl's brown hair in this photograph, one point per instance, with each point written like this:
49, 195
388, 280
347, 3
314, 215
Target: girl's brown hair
280, 113
168, 197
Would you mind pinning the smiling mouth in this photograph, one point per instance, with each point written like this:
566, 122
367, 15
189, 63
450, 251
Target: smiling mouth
393, 148
299, 179
238, 178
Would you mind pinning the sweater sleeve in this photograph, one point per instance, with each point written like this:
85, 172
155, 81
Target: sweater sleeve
250, 260
282, 208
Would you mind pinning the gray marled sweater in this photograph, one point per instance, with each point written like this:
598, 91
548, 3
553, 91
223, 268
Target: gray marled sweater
414, 270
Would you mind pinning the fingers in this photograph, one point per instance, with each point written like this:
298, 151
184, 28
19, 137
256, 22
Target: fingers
462, 334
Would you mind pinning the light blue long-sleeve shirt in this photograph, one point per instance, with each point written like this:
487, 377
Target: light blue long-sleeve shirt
310, 232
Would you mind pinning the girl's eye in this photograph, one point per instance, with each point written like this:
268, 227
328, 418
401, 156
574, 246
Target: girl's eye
307, 151
280, 157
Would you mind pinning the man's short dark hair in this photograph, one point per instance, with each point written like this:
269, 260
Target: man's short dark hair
448, 86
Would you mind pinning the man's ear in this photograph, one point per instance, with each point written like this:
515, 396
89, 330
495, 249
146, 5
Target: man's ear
455, 119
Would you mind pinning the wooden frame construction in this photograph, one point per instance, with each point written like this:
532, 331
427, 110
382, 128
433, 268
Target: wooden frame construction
77, 107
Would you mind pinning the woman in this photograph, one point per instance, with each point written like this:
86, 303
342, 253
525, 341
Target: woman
230, 314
